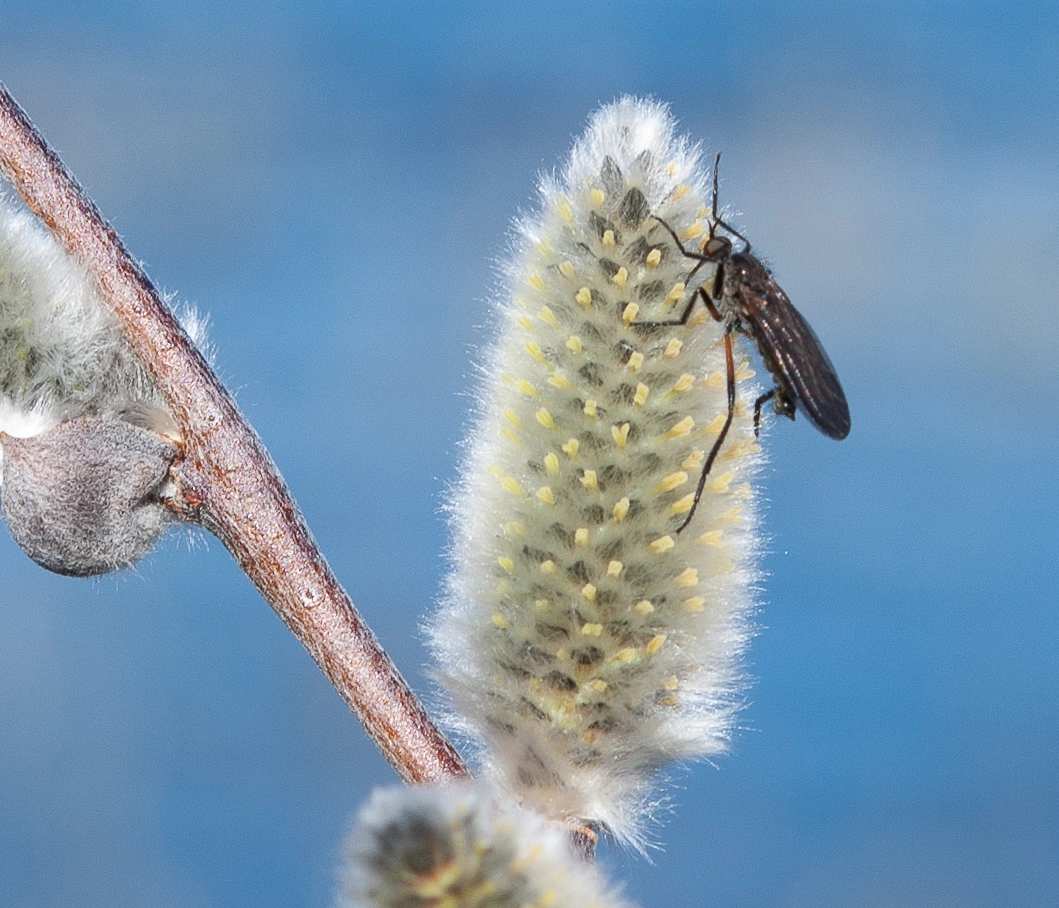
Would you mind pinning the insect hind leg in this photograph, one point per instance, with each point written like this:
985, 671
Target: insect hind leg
715, 450
758, 404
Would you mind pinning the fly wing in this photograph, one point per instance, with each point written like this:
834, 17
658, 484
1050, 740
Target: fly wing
787, 341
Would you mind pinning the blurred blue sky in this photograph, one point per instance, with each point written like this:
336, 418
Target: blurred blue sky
334, 183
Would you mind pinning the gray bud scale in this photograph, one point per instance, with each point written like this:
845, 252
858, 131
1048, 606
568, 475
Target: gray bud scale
85, 497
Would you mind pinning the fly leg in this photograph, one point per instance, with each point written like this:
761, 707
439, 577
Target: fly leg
715, 450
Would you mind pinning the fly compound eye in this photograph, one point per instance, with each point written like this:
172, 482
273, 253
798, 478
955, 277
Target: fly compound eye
717, 247
85, 497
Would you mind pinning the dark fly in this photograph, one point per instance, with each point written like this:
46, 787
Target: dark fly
746, 298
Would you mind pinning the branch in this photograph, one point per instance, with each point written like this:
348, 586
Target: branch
227, 480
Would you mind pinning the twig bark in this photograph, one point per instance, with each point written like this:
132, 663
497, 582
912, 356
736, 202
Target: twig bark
227, 479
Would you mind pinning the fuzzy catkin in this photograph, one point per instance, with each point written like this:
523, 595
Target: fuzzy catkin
86, 442
456, 847
62, 352
585, 642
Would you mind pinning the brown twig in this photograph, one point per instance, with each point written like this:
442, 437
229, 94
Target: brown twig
228, 481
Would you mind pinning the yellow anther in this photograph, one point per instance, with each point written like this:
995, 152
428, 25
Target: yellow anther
573, 344
537, 282
546, 315
562, 205
620, 277
640, 398
672, 350
713, 537
681, 429
644, 607
614, 568
598, 197
571, 448
676, 293
551, 463
672, 481
581, 536
694, 604
588, 591
590, 409
499, 620
515, 528
662, 544
693, 231
682, 190
628, 315
506, 562
590, 480
744, 371
548, 567
626, 655
512, 436
687, 577
653, 258
670, 682
685, 383
655, 643
716, 380
545, 496
608, 237
534, 350
591, 630
701, 317
635, 361
733, 515
694, 460
526, 388
716, 424
620, 434
545, 418
719, 483
584, 297
542, 605
682, 505
524, 322
620, 510
560, 381
511, 485
597, 685
567, 269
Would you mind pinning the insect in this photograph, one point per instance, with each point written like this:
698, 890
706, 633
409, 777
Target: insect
746, 298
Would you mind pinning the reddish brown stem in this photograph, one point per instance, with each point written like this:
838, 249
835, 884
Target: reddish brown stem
228, 480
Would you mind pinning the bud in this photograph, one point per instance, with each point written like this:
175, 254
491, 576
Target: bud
80, 419
86, 496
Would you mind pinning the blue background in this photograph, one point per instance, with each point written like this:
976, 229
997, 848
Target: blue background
333, 183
